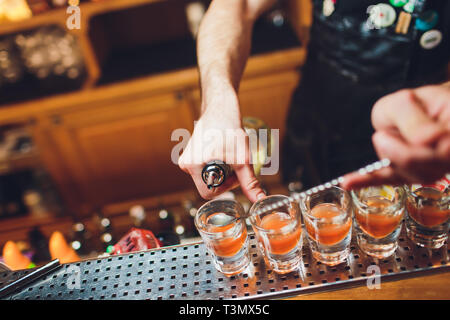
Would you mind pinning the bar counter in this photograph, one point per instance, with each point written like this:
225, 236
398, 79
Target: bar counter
187, 272
430, 287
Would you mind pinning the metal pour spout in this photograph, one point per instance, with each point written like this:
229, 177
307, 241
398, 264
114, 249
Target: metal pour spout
214, 173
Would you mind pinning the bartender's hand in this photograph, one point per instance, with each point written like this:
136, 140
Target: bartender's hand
223, 46
219, 136
412, 129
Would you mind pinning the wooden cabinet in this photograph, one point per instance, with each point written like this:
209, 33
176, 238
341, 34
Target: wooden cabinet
116, 152
108, 144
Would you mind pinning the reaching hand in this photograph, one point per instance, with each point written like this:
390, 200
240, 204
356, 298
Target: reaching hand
412, 129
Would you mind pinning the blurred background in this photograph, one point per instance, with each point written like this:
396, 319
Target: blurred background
86, 115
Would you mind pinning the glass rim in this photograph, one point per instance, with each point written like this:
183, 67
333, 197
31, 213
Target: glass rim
360, 205
443, 200
347, 209
293, 223
236, 219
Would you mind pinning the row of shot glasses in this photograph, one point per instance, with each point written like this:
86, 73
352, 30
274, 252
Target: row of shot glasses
374, 215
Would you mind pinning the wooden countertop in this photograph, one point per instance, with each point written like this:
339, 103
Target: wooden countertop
428, 287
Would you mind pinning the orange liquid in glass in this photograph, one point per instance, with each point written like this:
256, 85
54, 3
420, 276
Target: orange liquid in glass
281, 243
427, 216
378, 225
229, 246
328, 233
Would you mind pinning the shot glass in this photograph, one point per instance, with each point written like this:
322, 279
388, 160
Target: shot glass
378, 214
279, 232
328, 220
224, 232
428, 208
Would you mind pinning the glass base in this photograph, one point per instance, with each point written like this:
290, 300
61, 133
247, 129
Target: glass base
426, 241
284, 263
283, 267
230, 269
379, 251
332, 259
232, 265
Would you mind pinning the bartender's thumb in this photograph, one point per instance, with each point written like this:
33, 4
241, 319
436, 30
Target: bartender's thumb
249, 183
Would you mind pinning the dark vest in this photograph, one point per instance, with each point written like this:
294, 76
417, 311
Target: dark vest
348, 41
350, 65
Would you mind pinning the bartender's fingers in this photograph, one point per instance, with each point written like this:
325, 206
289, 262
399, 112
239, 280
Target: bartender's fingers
414, 163
355, 180
436, 100
249, 183
409, 164
196, 173
403, 112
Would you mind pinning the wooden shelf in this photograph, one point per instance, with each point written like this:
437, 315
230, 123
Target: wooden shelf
93, 62
19, 162
165, 82
59, 16
55, 16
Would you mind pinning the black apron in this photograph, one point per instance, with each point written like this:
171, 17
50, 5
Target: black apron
348, 68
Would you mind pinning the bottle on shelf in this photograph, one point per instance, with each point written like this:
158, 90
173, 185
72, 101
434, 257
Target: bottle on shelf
107, 238
167, 235
52, 55
11, 68
191, 210
50, 201
81, 240
139, 217
12, 186
39, 245
179, 227
33, 201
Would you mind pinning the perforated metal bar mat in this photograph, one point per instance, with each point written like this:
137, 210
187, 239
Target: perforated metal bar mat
186, 272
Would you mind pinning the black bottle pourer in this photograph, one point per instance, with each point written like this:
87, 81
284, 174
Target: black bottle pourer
215, 173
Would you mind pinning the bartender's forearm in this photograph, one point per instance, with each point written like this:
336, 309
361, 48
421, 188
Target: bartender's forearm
224, 41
